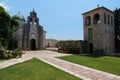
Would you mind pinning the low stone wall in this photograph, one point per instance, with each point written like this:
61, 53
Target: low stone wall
71, 46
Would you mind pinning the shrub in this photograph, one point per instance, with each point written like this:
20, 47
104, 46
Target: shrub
68, 47
2, 53
12, 54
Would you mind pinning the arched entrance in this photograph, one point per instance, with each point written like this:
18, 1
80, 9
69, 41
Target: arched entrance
32, 44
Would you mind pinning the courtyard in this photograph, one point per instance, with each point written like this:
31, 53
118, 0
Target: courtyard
96, 32
49, 57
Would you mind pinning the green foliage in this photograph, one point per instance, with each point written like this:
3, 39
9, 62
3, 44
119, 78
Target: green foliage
117, 29
34, 69
6, 27
11, 54
68, 47
104, 63
2, 9
2, 53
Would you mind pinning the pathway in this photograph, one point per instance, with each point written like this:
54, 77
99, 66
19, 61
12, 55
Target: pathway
74, 69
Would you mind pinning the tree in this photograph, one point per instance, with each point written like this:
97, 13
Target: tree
2, 9
6, 27
117, 29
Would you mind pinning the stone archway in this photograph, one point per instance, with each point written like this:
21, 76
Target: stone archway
33, 44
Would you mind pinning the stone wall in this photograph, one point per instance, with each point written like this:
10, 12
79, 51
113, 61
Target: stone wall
71, 46
51, 43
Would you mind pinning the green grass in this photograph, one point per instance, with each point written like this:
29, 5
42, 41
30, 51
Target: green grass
104, 63
34, 69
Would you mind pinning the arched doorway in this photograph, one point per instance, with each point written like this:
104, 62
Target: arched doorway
32, 44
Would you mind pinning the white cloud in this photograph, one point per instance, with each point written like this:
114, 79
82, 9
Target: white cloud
7, 8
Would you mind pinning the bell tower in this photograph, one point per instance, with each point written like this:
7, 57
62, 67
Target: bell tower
33, 19
99, 30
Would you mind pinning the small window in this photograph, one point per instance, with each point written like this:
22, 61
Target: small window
106, 48
105, 18
111, 20
109, 48
108, 19
105, 31
88, 21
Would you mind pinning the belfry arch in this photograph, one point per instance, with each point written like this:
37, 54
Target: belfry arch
96, 18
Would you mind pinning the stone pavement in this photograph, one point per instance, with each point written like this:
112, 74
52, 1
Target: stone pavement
82, 72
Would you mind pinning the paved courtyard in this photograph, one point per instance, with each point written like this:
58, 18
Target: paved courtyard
82, 72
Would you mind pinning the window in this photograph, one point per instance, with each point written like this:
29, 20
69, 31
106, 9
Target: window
96, 19
108, 19
105, 18
88, 21
105, 31
90, 33
109, 32
111, 20
106, 48
109, 48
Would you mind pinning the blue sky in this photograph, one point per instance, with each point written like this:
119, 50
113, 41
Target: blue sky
61, 19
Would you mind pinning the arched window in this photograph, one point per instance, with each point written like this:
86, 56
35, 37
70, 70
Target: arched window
108, 19
96, 19
105, 18
111, 20
87, 21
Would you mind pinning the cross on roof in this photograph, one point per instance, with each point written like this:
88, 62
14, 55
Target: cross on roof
98, 5
18, 12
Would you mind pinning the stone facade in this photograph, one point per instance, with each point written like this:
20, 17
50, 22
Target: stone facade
29, 35
99, 30
51, 43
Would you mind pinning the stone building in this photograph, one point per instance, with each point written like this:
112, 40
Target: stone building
51, 43
29, 35
99, 30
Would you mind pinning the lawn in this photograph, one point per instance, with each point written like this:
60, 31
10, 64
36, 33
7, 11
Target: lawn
34, 69
104, 63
